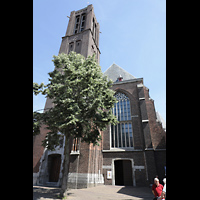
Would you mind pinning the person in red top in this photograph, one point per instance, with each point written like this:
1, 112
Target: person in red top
157, 188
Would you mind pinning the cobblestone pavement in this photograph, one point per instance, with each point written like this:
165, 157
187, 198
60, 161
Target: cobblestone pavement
105, 192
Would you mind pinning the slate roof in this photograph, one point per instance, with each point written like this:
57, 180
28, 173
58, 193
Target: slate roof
114, 71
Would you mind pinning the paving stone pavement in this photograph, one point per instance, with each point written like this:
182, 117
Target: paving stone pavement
45, 193
104, 192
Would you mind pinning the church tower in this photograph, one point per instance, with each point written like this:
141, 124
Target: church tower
85, 168
82, 35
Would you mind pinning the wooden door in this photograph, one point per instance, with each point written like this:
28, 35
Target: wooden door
127, 173
54, 168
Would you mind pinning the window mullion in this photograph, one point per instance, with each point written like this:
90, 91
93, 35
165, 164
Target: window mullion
129, 136
121, 136
126, 110
117, 135
125, 135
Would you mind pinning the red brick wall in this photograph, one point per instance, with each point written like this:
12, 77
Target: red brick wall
158, 135
38, 149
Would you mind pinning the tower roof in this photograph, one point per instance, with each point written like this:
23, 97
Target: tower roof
114, 71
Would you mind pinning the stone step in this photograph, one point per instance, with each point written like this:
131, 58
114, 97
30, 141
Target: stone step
51, 184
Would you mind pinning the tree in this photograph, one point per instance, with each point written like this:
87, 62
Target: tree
36, 123
82, 101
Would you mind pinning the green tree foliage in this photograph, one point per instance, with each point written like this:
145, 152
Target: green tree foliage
36, 88
82, 100
36, 123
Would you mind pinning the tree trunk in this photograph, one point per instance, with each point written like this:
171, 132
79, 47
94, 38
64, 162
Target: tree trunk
65, 167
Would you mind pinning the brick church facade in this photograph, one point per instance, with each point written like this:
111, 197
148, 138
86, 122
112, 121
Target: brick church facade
130, 153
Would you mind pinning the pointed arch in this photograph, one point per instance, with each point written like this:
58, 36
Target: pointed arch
122, 133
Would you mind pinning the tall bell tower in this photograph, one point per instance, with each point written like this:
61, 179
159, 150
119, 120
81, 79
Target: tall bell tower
82, 35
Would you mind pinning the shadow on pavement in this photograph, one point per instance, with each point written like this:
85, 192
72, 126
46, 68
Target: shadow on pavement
45, 192
140, 192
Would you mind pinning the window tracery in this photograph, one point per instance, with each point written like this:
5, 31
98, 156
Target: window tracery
122, 134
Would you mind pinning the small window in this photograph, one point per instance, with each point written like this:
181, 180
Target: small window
71, 46
77, 18
77, 24
80, 23
75, 147
83, 18
94, 32
78, 46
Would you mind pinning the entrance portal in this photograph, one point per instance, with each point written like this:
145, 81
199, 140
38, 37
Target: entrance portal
123, 172
54, 162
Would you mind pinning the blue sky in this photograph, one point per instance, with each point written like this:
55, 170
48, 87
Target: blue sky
133, 36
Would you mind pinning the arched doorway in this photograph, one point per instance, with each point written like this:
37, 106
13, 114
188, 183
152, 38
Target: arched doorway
123, 172
54, 161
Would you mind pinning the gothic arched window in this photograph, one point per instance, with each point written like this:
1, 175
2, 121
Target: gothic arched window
122, 134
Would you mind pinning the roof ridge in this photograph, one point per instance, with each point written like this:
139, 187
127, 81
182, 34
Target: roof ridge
116, 71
